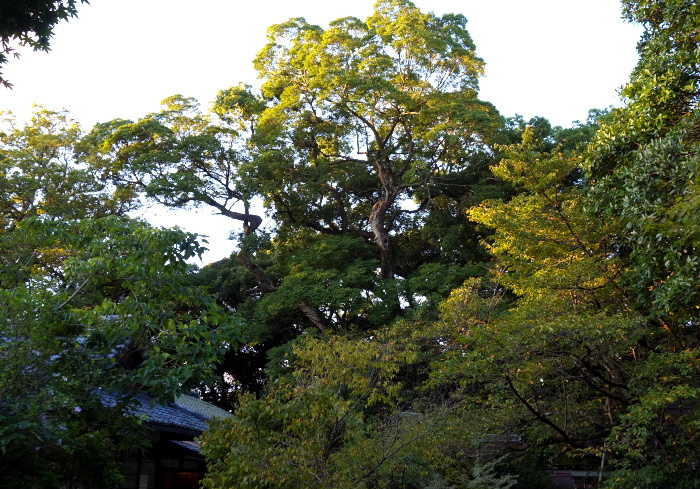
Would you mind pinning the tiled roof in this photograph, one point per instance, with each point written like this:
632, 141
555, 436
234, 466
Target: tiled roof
202, 408
170, 415
186, 412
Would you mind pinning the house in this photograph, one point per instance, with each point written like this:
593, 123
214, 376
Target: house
173, 460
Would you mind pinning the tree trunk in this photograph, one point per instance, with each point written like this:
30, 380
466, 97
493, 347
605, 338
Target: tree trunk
382, 238
377, 219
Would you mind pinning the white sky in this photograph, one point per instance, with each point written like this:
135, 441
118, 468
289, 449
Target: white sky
120, 58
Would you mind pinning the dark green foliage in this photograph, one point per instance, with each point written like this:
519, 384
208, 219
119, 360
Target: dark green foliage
116, 319
645, 165
564, 139
95, 309
31, 23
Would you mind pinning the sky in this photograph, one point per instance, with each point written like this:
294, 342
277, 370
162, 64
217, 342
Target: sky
120, 58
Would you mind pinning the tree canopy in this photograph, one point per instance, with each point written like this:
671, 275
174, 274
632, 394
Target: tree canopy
440, 297
365, 144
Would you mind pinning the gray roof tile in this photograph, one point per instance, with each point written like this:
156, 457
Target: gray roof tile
170, 415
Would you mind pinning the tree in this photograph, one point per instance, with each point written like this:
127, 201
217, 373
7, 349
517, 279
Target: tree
339, 417
600, 250
644, 161
368, 138
41, 177
571, 362
366, 144
562, 340
96, 308
176, 157
352, 123
363, 118
31, 23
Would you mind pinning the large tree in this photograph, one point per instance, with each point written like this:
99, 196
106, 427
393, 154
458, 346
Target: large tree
368, 140
644, 168
360, 130
367, 123
548, 360
366, 144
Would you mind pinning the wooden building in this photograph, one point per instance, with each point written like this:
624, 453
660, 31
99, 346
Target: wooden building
173, 460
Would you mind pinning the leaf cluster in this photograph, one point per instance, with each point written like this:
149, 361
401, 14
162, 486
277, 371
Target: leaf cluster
31, 23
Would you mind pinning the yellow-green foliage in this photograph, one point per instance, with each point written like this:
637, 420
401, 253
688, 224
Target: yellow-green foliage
312, 428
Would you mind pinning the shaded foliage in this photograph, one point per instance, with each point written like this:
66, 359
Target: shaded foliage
96, 309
